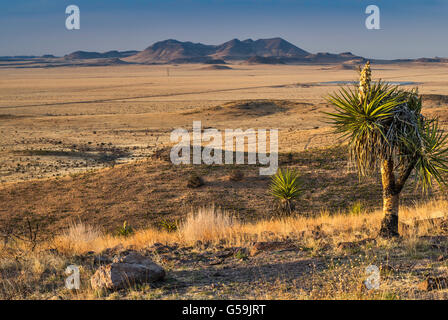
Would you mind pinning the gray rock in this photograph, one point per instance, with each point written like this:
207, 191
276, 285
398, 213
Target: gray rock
125, 271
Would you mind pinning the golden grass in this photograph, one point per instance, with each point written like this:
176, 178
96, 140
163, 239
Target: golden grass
218, 226
22, 270
208, 224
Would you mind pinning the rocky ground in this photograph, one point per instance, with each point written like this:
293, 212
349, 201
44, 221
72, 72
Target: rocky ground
278, 269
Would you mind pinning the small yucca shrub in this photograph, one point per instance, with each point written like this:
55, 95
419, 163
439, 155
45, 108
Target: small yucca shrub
168, 226
357, 208
286, 188
125, 230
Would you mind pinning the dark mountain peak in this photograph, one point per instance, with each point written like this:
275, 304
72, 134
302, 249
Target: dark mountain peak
276, 39
275, 42
278, 47
235, 48
164, 43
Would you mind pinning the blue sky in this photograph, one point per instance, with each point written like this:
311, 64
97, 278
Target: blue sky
409, 29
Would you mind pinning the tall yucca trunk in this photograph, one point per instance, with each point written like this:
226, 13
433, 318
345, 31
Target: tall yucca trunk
391, 197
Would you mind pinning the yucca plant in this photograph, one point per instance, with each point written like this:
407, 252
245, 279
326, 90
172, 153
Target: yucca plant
286, 187
386, 130
168, 226
125, 230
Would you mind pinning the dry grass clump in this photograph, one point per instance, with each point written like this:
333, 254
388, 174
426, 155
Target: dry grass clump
208, 224
339, 281
345, 281
77, 231
67, 244
78, 237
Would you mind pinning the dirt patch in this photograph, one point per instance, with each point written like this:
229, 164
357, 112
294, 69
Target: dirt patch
253, 108
435, 99
10, 116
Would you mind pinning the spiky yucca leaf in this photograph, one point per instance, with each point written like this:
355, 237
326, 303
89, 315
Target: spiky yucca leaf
364, 122
429, 153
286, 184
388, 124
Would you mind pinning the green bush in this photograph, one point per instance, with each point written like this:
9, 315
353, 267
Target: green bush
286, 188
168, 226
357, 208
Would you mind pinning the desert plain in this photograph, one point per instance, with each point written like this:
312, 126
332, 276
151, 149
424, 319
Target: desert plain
55, 121
88, 146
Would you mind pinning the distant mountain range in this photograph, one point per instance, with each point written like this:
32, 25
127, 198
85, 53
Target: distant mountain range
174, 51
96, 55
262, 51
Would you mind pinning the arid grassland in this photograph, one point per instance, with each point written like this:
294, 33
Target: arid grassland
85, 177
215, 256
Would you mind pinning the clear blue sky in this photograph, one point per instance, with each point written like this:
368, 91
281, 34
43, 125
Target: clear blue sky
409, 28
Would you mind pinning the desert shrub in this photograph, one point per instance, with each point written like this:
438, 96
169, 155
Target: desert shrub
168, 226
286, 188
236, 175
195, 181
26, 228
357, 208
125, 230
241, 254
27, 276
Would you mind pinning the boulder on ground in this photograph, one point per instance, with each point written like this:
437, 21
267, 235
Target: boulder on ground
126, 271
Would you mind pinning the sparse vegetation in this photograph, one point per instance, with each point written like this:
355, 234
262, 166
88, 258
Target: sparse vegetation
235, 249
328, 270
